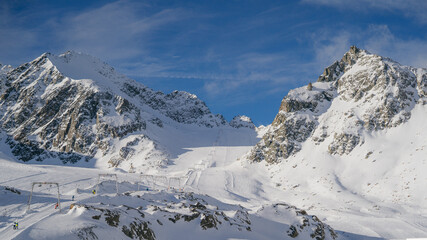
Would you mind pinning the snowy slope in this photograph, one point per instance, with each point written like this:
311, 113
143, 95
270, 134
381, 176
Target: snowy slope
354, 143
152, 213
213, 170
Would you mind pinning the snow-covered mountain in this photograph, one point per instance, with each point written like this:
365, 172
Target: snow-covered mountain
74, 106
354, 141
361, 93
349, 148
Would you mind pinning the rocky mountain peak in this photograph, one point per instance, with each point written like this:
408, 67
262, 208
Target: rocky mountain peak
77, 66
182, 94
335, 70
362, 92
74, 106
352, 55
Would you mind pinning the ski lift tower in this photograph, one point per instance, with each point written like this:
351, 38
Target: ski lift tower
147, 179
43, 183
107, 175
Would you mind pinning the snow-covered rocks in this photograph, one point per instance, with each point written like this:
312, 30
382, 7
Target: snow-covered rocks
242, 121
4, 69
74, 107
294, 123
361, 93
355, 140
162, 215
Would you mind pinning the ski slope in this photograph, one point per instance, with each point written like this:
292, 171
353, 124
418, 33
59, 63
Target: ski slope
208, 161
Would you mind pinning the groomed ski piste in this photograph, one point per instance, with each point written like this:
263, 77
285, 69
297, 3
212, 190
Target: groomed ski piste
209, 170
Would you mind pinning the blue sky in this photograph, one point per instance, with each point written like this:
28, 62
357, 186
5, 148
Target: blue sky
240, 57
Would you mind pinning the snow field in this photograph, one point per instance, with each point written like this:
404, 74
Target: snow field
207, 160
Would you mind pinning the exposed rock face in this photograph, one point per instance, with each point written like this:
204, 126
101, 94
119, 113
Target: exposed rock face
73, 106
360, 93
242, 121
180, 106
295, 122
4, 70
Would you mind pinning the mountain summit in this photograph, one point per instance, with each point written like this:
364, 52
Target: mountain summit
74, 106
356, 137
360, 94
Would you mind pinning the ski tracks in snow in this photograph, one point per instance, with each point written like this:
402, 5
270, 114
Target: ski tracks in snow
194, 174
27, 220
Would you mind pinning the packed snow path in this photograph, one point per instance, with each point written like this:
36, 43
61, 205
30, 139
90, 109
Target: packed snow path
30, 218
218, 161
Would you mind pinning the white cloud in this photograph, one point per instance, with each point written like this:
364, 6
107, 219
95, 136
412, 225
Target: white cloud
330, 46
382, 41
116, 30
410, 8
249, 70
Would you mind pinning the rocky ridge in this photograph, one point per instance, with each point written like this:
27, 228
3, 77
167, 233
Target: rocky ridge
361, 93
74, 106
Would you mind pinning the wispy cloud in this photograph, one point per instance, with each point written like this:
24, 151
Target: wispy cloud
227, 74
117, 30
330, 46
251, 69
382, 41
410, 8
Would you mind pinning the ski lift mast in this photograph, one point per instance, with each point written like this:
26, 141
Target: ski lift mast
43, 183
